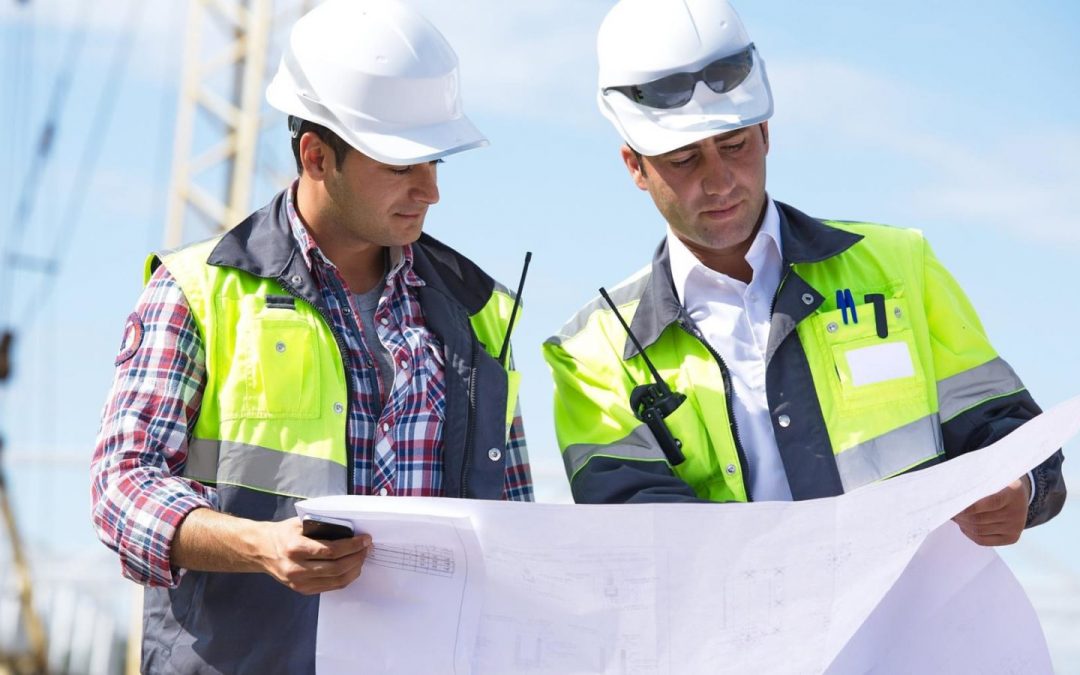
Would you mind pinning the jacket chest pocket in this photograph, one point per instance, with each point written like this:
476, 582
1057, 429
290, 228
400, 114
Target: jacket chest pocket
268, 361
871, 370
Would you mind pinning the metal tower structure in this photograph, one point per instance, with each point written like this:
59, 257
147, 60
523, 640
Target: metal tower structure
220, 113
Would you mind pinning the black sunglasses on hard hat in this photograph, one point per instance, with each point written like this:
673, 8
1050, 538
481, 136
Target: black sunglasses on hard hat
672, 91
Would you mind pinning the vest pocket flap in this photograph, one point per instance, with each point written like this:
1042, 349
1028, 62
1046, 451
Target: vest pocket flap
271, 363
862, 322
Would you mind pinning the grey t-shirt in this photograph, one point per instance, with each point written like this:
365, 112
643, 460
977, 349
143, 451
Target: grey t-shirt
366, 304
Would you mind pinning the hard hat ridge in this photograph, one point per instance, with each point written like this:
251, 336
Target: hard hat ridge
380, 76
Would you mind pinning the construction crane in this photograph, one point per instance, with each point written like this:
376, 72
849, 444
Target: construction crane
35, 658
221, 113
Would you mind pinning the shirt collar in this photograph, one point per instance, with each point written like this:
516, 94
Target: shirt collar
767, 241
401, 257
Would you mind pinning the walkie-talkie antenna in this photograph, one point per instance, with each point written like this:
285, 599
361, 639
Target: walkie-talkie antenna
633, 338
652, 403
513, 312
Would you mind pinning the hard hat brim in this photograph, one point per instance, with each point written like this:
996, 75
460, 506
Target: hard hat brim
419, 144
397, 146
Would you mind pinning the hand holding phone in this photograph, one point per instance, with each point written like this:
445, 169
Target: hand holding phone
326, 528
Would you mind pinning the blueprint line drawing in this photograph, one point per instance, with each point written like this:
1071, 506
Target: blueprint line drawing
424, 559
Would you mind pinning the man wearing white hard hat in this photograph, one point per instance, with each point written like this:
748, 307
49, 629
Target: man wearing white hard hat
322, 346
764, 354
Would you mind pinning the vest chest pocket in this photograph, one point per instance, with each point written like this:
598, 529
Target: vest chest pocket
871, 371
269, 363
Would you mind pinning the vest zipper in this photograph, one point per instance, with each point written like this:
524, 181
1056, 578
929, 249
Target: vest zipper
470, 428
728, 395
776, 295
350, 463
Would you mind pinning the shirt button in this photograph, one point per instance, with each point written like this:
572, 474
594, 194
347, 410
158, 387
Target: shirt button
383, 492
339, 408
784, 421
384, 321
346, 310
385, 427
494, 454
731, 469
404, 364
296, 279
807, 299
280, 347
832, 327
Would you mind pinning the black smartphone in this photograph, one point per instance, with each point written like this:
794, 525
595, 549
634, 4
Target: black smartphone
326, 528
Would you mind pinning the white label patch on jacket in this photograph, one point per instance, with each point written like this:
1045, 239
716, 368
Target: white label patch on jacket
879, 363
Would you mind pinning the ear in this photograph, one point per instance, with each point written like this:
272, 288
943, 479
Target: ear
315, 156
765, 135
635, 166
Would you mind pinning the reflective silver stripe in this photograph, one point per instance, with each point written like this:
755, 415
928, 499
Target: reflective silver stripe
639, 445
258, 468
499, 288
971, 387
891, 453
626, 292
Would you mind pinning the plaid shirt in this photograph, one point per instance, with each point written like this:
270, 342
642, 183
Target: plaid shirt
139, 497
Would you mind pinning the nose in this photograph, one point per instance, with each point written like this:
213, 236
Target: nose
426, 188
717, 177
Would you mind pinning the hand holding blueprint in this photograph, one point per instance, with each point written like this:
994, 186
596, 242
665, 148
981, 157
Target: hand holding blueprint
878, 580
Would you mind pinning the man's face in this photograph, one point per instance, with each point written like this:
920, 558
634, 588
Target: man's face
380, 203
712, 192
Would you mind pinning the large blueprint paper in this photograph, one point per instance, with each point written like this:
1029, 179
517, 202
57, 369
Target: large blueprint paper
856, 583
956, 609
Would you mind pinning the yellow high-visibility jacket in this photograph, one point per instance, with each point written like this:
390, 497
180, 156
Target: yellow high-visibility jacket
834, 431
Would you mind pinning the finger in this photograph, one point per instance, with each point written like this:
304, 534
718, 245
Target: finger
1014, 525
323, 569
1012, 493
301, 549
324, 584
999, 539
989, 503
1010, 530
345, 547
1007, 515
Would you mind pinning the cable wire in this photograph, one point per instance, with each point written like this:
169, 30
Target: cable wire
24, 206
99, 129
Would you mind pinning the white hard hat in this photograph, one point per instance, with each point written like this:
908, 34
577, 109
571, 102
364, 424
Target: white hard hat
380, 76
642, 42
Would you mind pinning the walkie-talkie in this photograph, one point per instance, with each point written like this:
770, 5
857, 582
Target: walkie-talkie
652, 403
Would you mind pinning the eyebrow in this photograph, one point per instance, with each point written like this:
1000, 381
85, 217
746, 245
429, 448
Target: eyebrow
730, 135
719, 138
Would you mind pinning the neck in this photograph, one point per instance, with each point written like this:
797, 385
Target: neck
732, 260
361, 263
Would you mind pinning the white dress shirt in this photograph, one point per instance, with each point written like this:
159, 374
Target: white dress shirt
734, 318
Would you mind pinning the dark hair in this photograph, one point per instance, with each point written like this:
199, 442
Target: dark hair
299, 127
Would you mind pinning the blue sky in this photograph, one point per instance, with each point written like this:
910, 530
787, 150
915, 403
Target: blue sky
959, 118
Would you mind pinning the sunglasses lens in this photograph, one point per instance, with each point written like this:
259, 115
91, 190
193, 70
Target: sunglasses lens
675, 90
667, 92
729, 72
